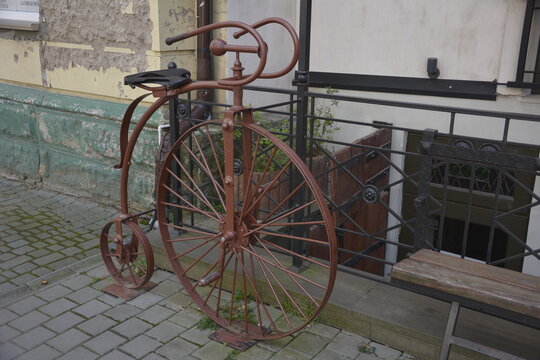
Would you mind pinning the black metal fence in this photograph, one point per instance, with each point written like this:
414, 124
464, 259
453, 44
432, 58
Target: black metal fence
394, 185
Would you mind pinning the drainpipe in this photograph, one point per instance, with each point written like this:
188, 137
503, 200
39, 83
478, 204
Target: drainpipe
199, 111
204, 59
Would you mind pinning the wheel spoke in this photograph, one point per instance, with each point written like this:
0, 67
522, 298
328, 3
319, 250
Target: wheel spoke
263, 267
197, 247
256, 293
288, 213
189, 229
218, 165
188, 238
280, 248
202, 197
291, 276
209, 171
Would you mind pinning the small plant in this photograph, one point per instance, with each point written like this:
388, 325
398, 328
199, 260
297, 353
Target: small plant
366, 349
207, 323
308, 308
239, 296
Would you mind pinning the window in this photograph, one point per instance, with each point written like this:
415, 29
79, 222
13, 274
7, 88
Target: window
19, 14
528, 69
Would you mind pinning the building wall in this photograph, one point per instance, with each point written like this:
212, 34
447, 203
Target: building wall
62, 94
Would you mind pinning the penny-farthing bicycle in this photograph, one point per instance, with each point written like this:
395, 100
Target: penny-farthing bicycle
238, 187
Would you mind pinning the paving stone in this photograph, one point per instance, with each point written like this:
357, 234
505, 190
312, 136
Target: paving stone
363, 356
131, 327
166, 288
7, 333
6, 316
84, 295
104, 342
68, 340
197, 336
185, 318
255, 352
323, 330
23, 268
96, 325
145, 300
276, 344
154, 356
10, 351
22, 279
308, 343
29, 321
79, 353
77, 282
346, 344
155, 314
23, 250
140, 346
122, 312
54, 292
213, 351
290, 354
42, 352
58, 307
110, 300
63, 322
92, 308
117, 355
385, 352
34, 337
329, 355
406, 356
47, 259
177, 349
177, 302
26, 305
165, 332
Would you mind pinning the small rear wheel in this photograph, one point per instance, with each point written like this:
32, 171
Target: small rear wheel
127, 253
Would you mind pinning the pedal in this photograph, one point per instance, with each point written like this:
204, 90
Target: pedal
209, 278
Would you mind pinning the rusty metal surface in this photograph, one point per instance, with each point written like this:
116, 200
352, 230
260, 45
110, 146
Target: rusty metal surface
120, 291
232, 340
258, 282
127, 253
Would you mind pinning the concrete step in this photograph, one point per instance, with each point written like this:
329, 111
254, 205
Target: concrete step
405, 320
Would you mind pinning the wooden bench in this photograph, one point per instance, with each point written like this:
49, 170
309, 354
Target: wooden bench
504, 293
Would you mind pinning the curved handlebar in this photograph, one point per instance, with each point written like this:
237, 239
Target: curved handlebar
220, 47
261, 50
294, 36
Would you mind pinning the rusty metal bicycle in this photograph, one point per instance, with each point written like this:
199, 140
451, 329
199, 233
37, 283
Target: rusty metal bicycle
239, 185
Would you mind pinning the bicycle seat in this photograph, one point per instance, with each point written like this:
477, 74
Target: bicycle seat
172, 78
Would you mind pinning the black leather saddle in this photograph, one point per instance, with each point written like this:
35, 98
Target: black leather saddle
171, 78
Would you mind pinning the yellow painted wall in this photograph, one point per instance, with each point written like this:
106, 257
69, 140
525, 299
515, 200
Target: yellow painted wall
26, 61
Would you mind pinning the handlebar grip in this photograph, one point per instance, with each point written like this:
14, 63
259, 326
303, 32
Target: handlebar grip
171, 40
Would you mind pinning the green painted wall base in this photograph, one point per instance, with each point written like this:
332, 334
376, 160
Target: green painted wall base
71, 143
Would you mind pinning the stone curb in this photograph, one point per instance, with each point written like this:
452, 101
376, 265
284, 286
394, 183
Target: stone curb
52, 278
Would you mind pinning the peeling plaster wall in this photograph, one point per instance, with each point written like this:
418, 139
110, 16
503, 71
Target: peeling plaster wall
88, 46
85, 48
100, 23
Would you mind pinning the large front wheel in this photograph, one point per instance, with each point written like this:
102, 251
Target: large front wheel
274, 272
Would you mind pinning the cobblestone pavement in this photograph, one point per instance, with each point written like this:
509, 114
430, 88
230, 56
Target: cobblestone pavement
44, 231
71, 318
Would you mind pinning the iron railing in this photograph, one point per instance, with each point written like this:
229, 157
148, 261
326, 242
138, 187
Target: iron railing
400, 186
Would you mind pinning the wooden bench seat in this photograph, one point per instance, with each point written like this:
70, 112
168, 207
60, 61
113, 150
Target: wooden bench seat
501, 292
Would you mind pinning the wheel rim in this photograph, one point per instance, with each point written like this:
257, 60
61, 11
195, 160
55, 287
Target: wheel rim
132, 262
259, 295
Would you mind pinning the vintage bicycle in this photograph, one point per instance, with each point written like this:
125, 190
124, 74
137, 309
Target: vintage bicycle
250, 206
